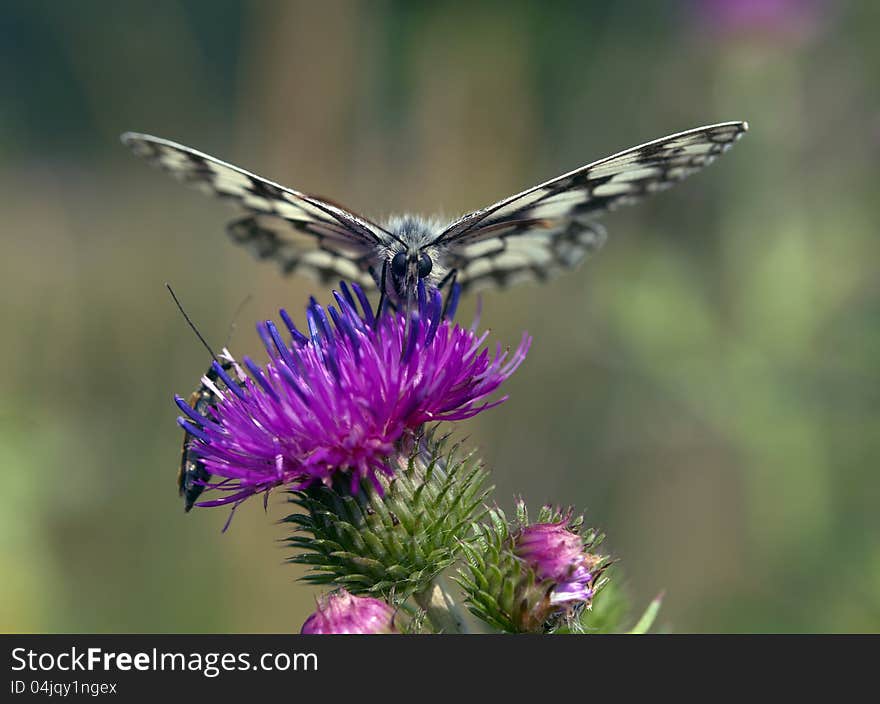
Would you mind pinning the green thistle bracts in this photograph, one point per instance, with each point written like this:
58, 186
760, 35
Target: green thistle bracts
517, 587
395, 542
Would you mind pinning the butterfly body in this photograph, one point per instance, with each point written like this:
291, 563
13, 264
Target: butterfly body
529, 236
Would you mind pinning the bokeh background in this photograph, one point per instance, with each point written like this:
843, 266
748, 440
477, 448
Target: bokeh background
707, 388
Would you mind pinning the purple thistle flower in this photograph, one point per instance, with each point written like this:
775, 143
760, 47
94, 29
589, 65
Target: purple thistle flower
342, 397
342, 612
557, 555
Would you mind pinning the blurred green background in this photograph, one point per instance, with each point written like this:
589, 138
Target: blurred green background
706, 388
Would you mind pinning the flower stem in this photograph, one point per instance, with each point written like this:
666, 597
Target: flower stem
444, 612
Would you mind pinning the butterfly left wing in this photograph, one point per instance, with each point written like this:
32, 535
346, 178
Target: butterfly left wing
552, 226
301, 233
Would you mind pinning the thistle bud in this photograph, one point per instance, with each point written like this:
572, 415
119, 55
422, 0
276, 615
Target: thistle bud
525, 577
341, 612
557, 556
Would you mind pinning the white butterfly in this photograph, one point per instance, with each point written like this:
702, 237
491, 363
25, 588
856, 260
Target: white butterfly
530, 235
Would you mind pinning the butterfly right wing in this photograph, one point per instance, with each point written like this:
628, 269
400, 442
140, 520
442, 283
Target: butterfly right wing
301, 233
552, 226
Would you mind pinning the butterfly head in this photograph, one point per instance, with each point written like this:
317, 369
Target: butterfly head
412, 258
408, 266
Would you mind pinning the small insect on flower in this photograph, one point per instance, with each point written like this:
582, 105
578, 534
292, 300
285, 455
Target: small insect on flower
531, 235
192, 477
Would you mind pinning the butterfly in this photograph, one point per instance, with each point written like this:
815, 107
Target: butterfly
531, 235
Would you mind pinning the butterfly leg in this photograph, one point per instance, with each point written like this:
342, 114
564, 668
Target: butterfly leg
452, 298
381, 286
383, 296
448, 279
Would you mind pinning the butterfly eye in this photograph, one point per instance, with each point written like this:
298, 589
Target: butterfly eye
425, 265
398, 265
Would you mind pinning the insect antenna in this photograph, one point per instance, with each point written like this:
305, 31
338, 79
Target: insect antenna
191, 323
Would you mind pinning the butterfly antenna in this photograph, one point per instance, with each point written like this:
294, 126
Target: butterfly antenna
190, 322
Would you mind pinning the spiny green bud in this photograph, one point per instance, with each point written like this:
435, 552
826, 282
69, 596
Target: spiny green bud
524, 577
394, 539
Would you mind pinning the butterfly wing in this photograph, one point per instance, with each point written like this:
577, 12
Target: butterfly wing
550, 227
301, 233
